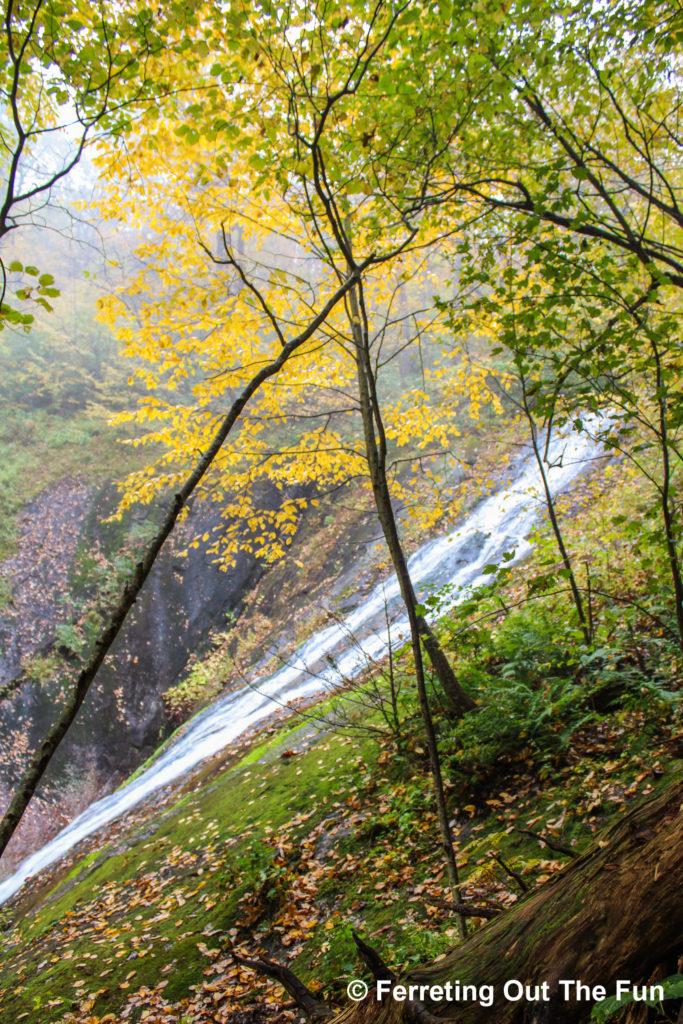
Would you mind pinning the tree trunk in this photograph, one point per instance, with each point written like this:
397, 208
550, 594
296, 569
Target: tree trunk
118, 614
376, 450
550, 503
614, 913
458, 699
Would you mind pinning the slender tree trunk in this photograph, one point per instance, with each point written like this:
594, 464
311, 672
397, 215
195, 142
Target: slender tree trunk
43, 755
395, 717
459, 701
375, 445
550, 502
667, 513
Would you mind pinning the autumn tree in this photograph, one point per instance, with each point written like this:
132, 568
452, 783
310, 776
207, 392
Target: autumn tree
303, 168
337, 222
579, 193
42, 82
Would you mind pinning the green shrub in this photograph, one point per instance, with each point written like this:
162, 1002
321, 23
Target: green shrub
536, 683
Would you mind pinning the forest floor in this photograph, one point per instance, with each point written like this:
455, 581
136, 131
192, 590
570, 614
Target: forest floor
282, 846
323, 823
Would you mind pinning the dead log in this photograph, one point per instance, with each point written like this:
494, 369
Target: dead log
464, 909
613, 913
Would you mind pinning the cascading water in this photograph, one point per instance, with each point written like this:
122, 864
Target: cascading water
499, 524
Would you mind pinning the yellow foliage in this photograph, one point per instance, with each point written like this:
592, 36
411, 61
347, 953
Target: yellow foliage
230, 264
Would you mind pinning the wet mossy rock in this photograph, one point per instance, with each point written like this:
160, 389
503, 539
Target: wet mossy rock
613, 913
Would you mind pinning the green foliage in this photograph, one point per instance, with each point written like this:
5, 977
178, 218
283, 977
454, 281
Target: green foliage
204, 682
45, 668
524, 676
536, 684
608, 1009
71, 639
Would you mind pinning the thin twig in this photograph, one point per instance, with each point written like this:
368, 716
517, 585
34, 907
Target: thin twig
552, 844
510, 871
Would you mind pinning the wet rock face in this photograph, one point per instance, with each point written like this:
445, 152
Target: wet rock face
183, 601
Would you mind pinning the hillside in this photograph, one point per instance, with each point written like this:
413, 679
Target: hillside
298, 834
308, 829
341, 512
285, 844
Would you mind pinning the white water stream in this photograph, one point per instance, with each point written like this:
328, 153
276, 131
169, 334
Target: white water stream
500, 523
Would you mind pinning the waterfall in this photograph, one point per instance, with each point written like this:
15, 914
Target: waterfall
499, 523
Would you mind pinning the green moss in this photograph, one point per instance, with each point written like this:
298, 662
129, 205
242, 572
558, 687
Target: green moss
188, 875
212, 849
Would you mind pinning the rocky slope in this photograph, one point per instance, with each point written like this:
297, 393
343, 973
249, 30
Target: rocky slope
64, 558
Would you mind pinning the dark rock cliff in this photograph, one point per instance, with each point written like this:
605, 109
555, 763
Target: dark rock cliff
65, 541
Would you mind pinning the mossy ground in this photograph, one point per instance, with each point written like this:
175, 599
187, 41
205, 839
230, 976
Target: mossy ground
283, 847
286, 843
